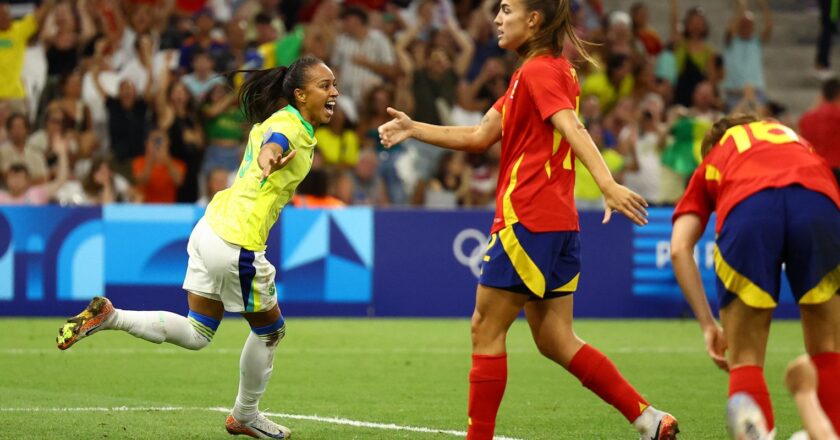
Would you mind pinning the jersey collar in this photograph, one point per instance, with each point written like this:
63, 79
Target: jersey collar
306, 124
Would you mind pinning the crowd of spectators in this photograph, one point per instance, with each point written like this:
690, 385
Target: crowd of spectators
130, 101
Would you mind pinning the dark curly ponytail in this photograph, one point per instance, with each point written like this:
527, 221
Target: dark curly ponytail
266, 91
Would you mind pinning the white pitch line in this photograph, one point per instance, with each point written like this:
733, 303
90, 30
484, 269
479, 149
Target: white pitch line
313, 418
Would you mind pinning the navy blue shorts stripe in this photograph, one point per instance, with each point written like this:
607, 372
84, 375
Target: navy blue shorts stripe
247, 272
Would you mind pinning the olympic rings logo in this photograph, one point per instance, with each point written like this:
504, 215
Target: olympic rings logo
472, 254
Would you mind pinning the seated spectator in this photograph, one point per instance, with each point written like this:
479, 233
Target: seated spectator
337, 142
223, 129
55, 125
99, 186
368, 187
14, 150
157, 175
216, 180
313, 192
743, 55
202, 78
21, 189
611, 84
450, 186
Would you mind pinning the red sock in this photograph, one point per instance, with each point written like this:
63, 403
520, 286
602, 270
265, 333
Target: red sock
750, 379
828, 385
596, 372
488, 378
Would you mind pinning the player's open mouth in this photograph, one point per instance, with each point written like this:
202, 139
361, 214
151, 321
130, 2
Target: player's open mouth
330, 107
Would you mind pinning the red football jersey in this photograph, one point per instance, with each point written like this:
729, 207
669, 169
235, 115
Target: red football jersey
748, 159
537, 169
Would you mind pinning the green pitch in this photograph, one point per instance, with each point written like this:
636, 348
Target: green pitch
401, 372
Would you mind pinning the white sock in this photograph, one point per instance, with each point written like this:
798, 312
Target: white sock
648, 420
159, 326
255, 367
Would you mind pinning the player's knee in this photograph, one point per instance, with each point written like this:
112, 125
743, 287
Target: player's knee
204, 328
272, 333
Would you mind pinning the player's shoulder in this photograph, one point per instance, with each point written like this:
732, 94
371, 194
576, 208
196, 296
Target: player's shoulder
283, 120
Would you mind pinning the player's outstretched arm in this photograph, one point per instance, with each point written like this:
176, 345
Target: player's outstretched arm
472, 139
686, 232
801, 381
616, 197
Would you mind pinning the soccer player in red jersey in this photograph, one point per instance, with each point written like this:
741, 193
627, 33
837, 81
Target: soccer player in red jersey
777, 203
533, 259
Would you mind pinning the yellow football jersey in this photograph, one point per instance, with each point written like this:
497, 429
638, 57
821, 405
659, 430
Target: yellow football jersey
244, 213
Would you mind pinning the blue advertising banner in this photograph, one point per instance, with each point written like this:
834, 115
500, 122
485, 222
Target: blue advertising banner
348, 262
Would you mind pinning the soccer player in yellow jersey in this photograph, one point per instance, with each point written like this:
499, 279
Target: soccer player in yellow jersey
227, 266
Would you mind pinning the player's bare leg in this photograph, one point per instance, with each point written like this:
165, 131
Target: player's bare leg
495, 311
746, 330
255, 367
551, 323
821, 330
801, 381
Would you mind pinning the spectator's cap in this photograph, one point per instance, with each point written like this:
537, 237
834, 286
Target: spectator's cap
620, 18
355, 11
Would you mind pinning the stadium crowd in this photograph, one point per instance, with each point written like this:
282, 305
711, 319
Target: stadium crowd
128, 100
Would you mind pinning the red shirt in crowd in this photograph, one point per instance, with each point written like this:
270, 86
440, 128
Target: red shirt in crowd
819, 126
160, 188
537, 176
748, 159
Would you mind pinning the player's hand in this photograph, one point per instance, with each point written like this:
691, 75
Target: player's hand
619, 198
276, 162
396, 130
716, 345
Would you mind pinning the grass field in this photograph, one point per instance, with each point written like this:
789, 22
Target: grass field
402, 372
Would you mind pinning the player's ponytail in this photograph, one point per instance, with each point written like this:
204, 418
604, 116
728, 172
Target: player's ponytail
266, 91
556, 26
